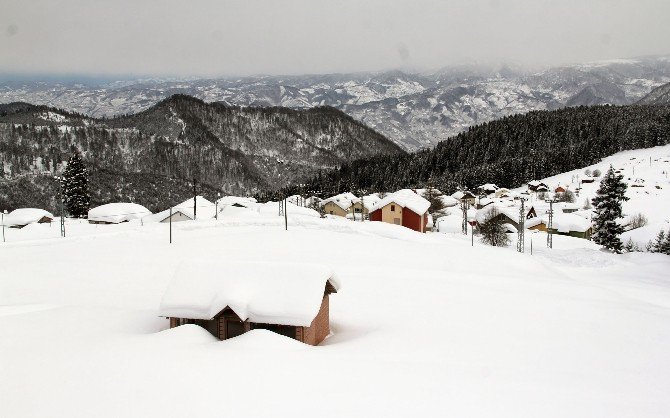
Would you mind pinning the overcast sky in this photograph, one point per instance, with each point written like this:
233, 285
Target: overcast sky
218, 37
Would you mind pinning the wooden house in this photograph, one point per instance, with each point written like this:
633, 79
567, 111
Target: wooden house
18, 218
339, 205
229, 299
404, 207
464, 197
116, 213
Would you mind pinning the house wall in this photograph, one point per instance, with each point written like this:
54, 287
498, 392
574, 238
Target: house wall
412, 220
389, 216
539, 227
336, 210
319, 329
376, 215
176, 217
358, 207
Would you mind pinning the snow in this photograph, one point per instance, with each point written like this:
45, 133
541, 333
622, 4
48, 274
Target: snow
426, 326
25, 216
271, 293
405, 198
118, 212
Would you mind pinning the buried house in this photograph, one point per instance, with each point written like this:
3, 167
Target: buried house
229, 299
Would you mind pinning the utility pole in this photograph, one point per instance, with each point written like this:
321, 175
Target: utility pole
62, 213
550, 226
522, 217
464, 209
3, 224
170, 224
285, 216
216, 206
195, 200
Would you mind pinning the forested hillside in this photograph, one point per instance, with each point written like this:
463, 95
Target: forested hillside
509, 151
152, 157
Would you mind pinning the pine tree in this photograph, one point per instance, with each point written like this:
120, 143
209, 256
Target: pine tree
434, 196
75, 187
607, 208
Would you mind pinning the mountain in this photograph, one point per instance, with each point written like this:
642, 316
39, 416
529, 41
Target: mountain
152, 156
658, 96
415, 110
509, 152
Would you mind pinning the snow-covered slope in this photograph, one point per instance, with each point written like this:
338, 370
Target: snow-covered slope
423, 325
415, 110
647, 174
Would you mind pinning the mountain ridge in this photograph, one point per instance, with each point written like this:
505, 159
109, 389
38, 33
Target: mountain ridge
415, 110
227, 149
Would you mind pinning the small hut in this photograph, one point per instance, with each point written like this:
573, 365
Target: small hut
19, 218
229, 299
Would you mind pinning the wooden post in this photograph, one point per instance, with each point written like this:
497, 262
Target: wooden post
285, 215
195, 200
170, 224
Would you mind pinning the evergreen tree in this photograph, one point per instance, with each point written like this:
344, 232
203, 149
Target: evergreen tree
434, 196
607, 207
75, 187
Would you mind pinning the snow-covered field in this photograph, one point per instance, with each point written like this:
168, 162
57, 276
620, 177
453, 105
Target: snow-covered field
424, 325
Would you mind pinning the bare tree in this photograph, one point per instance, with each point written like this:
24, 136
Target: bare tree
492, 230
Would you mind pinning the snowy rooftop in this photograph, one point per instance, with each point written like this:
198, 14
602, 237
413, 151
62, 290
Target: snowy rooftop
567, 222
274, 293
25, 216
405, 198
343, 200
117, 212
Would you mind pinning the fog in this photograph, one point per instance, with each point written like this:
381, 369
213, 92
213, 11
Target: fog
217, 38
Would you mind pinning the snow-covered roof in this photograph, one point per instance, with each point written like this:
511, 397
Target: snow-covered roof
534, 183
449, 201
343, 200
117, 212
368, 201
529, 223
204, 209
405, 198
567, 222
272, 293
460, 194
25, 216
509, 211
231, 200
488, 186
163, 215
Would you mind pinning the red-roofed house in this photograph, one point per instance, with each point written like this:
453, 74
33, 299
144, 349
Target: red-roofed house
403, 207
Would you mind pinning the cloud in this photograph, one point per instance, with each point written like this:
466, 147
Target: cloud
224, 37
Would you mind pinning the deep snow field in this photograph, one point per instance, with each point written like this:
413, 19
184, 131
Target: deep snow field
424, 325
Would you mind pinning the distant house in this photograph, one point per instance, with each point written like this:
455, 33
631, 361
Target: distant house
531, 213
588, 179
507, 215
464, 197
115, 213
567, 207
571, 224
404, 207
360, 206
339, 205
537, 186
561, 188
503, 192
487, 188
18, 218
229, 299
185, 211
